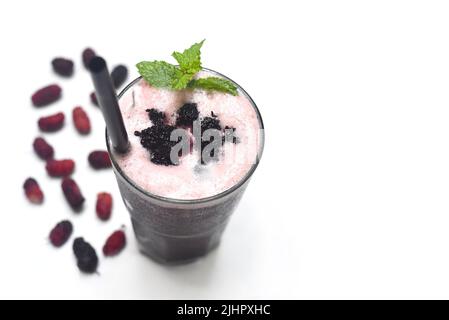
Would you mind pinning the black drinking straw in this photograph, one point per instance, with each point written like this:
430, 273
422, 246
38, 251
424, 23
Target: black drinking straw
109, 105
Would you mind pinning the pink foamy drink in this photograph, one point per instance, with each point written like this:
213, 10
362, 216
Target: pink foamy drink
193, 147
190, 179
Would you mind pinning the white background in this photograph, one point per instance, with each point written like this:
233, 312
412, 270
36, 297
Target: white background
351, 197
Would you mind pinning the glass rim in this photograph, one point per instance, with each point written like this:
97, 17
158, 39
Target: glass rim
200, 200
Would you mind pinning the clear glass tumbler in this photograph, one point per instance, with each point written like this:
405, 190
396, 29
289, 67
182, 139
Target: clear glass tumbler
174, 231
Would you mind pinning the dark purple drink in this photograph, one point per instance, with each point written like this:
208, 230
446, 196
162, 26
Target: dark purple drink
179, 211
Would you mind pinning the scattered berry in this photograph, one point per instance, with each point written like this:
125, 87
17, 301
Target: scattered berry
46, 95
62, 66
43, 149
187, 114
99, 159
72, 193
32, 191
157, 117
88, 54
104, 206
87, 259
93, 99
81, 120
115, 243
119, 75
51, 123
61, 233
60, 168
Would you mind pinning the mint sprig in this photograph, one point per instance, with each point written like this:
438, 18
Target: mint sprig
162, 74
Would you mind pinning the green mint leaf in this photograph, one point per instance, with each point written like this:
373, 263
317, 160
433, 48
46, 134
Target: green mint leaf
214, 83
190, 60
181, 81
159, 73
